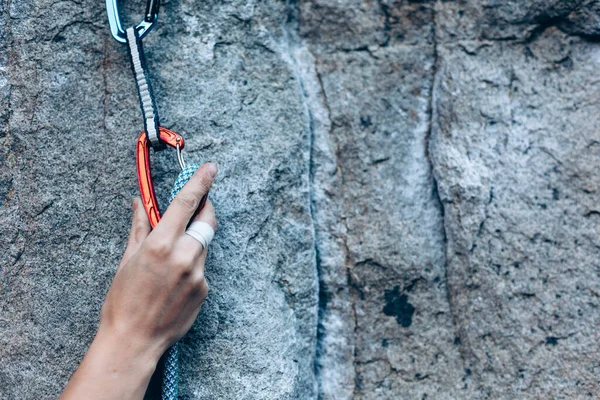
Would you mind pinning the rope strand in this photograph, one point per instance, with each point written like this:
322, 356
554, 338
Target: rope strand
170, 378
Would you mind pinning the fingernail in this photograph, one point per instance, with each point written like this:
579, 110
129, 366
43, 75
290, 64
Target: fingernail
212, 169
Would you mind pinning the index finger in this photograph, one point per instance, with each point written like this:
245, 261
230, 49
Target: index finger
186, 203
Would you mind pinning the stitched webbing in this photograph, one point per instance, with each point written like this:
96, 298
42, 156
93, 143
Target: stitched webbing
142, 80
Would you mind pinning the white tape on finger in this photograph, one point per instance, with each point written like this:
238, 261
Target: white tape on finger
202, 232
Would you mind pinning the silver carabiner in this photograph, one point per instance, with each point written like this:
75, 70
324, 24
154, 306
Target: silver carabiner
114, 21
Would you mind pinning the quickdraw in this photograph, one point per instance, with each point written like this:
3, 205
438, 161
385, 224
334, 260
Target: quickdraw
155, 136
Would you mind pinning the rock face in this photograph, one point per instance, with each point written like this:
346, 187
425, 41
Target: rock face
407, 196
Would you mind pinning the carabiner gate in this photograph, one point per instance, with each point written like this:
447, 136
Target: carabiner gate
114, 21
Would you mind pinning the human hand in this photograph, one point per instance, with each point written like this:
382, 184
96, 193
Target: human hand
154, 298
160, 285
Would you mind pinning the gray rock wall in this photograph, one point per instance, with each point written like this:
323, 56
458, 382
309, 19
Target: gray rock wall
407, 194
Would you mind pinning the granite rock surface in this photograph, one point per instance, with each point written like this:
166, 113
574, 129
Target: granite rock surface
407, 195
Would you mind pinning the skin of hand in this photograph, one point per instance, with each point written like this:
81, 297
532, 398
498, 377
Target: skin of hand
154, 298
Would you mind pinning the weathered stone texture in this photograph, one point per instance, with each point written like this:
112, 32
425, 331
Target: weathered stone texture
407, 196
73, 121
384, 293
515, 159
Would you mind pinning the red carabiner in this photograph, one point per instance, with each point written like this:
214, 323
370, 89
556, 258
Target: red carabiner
142, 157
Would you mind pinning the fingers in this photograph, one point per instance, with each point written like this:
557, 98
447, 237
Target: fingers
201, 287
198, 277
140, 229
185, 204
207, 214
190, 246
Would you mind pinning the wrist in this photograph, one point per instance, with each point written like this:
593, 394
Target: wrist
122, 357
124, 346
116, 365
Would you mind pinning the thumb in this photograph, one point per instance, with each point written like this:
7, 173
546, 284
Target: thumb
140, 229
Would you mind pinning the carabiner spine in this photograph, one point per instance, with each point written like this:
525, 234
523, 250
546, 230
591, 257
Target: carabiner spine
144, 172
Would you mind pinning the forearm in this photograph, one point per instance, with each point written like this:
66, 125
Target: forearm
115, 367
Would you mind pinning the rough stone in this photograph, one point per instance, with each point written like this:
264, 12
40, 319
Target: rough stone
407, 196
72, 122
514, 153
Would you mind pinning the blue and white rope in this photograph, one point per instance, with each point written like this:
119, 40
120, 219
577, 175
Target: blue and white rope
184, 176
170, 378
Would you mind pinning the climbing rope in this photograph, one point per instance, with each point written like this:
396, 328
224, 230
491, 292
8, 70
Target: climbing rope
170, 378
158, 138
